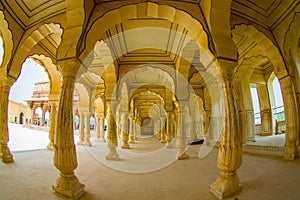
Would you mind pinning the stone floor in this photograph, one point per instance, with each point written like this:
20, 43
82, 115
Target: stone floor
32, 174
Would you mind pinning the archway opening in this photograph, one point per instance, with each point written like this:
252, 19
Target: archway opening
21, 119
256, 109
147, 126
277, 106
29, 96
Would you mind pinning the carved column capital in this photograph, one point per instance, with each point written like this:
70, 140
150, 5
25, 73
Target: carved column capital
69, 67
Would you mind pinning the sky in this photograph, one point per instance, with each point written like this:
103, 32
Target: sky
31, 73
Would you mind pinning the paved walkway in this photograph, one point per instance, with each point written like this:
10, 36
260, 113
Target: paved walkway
22, 138
32, 174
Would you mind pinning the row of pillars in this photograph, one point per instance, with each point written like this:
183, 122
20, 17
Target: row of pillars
44, 110
65, 157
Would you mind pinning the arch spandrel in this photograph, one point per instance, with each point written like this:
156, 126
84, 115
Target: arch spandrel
244, 35
6, 35
27, 45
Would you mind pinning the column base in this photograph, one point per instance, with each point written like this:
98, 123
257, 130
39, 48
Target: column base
87, 142
169, 145
112, 155
50, 146
206, 142
290, 156
101, 139
182, 156
5, 154
226, 184
112, 152
69, 185
125, 146
132, 140
80, 142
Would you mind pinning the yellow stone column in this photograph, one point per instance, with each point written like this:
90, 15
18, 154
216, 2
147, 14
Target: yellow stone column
100, 128
33, 114
124, 119
138, 130
5, 153
65, 159
102, 132
87, 135
291, 118
162, 133
81, 128
52, 123
181, 141
158, 122
206, 124
230, 150
169, 134
112, 138
131, 131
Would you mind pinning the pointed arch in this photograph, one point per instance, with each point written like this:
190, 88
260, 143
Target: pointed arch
27, 44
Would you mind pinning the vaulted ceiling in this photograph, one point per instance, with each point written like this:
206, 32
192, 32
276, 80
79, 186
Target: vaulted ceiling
267, 13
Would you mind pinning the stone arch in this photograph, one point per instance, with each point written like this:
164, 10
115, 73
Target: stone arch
103, 66
52, 72
149, 9
145, 92
83, 96
123, 14
5, 33
264, 47
166, 80
99, 106
27, 44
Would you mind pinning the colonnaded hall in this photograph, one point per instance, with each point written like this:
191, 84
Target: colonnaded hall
162, 79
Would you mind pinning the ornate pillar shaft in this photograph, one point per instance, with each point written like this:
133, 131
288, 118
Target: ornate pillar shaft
138, 131
125, 137
52, 125
230, 150
201, 128
102, 133
158, 129
81, 128
112, 138
291, 118
65, 159
97, 118
5, 153
43, 117
131, 131
134, 128
194, 131
169, 127
181, 141
33, 115
206, 124
163, 134
87, 136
